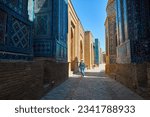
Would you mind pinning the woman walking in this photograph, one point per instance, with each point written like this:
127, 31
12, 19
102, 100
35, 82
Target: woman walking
82, 68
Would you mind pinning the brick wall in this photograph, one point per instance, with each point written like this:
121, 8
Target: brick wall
27, 80
134, 76
122, 73
131, 75
20, 80
54, 73
89, 50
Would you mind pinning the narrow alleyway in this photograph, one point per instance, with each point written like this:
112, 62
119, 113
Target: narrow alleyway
95, 86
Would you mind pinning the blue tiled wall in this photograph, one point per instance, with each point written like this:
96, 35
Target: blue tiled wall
136, 28
138, 15
15, 31
97, 53
50, 29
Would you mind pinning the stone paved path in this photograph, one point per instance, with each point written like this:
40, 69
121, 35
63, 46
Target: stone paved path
95, 86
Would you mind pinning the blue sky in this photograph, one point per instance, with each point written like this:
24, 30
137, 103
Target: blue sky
92, 14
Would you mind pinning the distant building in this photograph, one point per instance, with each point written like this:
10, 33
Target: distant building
89, 49
97, 52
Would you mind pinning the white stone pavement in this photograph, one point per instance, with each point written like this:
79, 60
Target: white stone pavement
95, 86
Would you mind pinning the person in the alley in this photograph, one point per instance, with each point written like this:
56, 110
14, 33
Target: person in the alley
82, 68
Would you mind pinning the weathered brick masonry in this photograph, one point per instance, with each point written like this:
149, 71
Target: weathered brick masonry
21, 80
134, 76
27, 80
54, 73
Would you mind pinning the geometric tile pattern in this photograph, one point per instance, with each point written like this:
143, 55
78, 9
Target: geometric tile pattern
43, 48
20, 34
51, 27
42, 27
15, 31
